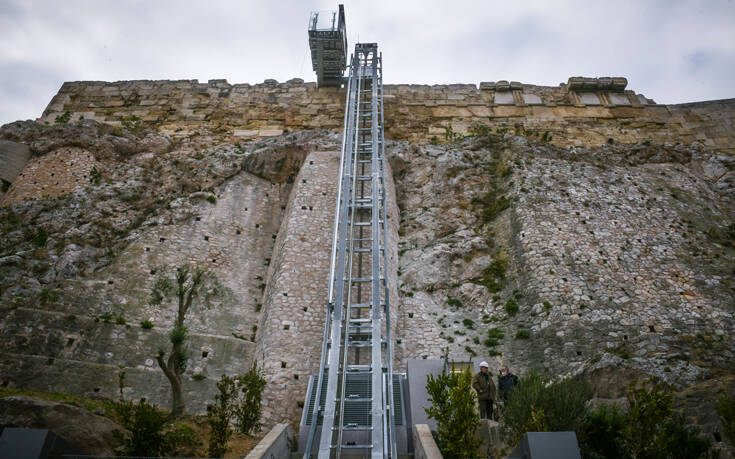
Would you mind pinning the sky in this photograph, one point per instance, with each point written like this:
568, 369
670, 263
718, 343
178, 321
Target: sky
673, 51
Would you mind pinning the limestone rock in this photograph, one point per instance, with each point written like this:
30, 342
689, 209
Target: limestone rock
93, 433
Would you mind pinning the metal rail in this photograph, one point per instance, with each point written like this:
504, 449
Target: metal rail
359, 385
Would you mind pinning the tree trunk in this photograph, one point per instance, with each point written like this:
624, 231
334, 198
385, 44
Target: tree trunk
177, 402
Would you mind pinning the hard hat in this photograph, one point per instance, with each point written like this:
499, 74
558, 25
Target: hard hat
484, 364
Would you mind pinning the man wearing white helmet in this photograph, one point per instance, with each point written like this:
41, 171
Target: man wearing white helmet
485, 388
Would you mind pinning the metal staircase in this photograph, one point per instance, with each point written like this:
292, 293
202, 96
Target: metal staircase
355, 377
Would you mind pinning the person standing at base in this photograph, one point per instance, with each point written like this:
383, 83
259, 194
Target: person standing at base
507, 381
483, 384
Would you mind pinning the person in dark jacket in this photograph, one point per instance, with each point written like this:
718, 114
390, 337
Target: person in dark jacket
507, 381
483, 384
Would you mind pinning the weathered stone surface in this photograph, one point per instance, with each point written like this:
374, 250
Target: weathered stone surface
13, 158
616, 233
94, 434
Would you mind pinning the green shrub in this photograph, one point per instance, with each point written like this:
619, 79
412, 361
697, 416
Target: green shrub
654, 430
106, 317
497, 268
219, 415
95, 176
181, 440
547, 305
600, 433
40, 237
146, 324
63, 118
145, 423
178, 334
212, 198
492, 274
453, 408
523, 334
249, 409
495, 333
120, 320
469, 323
511, 307
453, 302
198, 377
537, 407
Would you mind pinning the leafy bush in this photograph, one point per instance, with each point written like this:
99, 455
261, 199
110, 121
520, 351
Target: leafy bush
494, 273
601, 431
212, 198
63, 118
120, 320
469, 323
40, 238
239, 398
511, 307
537, 407
95, 176
248, 409
106, 317
151, 433
146, 423
453, 302
219, 415
453, 407
654, 430
146, 324
494, 336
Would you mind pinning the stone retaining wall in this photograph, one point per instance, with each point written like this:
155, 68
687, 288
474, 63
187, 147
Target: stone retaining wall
581, 112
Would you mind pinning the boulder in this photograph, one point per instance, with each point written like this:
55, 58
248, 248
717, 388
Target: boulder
93, 433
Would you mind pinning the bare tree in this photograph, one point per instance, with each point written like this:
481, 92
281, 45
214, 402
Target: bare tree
189, 285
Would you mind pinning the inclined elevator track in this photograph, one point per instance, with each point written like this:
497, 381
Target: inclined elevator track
354, 385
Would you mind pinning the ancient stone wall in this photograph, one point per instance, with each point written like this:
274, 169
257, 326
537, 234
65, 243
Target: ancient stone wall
581, 112
56, 174
90, 328
292, 327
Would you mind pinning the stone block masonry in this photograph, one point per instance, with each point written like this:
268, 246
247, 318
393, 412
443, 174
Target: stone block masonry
584, 112
291, 331
291, 328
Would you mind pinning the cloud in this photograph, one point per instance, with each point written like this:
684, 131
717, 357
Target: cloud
672, 51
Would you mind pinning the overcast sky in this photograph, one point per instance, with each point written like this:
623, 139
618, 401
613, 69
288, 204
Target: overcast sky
671, 51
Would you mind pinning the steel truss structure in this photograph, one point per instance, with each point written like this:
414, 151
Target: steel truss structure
355, 376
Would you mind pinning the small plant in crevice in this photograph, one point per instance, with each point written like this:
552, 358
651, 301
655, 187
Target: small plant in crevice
523, 334
63, 118
453, 302
511, 307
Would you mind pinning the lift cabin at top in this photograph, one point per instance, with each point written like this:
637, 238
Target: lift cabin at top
328, 43
354, 405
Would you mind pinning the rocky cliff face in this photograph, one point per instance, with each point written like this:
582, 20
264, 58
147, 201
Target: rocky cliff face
607, 259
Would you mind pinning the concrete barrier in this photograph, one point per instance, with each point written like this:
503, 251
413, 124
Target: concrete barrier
424, 444
275, 445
